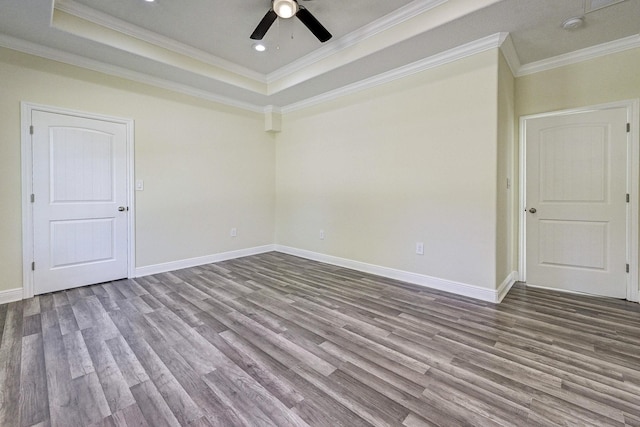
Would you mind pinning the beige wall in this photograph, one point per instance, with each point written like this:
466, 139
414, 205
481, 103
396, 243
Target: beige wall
424, 159
206, 167
413, 160
506, 210
609, 78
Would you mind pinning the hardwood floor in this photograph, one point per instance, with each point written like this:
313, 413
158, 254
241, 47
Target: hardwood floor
274, 340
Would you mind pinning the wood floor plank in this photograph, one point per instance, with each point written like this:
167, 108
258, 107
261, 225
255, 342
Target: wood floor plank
232, 380
34, 402
112, 291
90, 399
153, 407
31, 307
179, 402
400, 377
32, 325
214, 410
276, 340
129, 366
115, 387
483, 402
301, 354
129, 416
249, 413
268, 372
181, 307
198, 352
46, 302
63, 410
80, 362
319, 409
414, 420
346, 391
10, 364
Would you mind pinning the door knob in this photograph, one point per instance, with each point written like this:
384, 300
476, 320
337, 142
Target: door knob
533, 210
121, 208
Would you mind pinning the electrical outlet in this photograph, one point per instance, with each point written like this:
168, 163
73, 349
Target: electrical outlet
420, 248
234, 232
321, 234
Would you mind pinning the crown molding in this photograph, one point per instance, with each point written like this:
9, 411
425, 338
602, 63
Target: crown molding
463, 51
114, 70
397, 17
501, 40
593, 52
99, 18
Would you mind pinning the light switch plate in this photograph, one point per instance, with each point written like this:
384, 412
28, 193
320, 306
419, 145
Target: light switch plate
139, 185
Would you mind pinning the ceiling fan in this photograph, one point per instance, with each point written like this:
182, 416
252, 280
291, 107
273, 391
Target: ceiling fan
287, 9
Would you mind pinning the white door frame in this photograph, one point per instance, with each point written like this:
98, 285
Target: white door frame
633, 177
26, 108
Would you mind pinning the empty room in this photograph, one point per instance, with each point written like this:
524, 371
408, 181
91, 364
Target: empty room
319, 213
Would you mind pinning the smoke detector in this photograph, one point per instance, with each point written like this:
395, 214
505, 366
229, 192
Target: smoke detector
573, 23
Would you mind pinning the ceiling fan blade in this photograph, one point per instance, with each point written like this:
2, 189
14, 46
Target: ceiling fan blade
313, 24
264, 25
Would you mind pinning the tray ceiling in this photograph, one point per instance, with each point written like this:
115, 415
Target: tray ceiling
202, 47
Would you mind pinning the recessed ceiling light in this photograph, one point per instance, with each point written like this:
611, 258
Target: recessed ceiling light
150, 1
259, 47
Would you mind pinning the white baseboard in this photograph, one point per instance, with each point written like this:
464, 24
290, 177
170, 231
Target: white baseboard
194, 262
473, 291
506, 285
11, 295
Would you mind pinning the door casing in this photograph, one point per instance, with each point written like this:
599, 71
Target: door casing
633, 186
26, 109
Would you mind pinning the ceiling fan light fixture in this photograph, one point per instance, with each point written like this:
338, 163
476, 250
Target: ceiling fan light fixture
285, 8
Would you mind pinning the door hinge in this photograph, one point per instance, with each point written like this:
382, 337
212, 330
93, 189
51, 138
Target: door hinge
31, 129
628, 127
627, 197
33, 266
627, 268
33, 198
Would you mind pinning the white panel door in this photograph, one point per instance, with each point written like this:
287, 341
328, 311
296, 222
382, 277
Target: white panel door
80, 222
576, 186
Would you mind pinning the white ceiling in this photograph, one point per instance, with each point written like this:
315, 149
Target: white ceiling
203, 47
